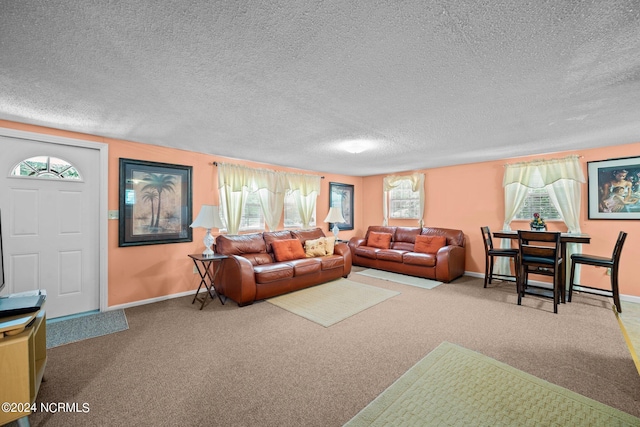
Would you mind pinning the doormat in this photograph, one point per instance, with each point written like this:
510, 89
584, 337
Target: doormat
77, 328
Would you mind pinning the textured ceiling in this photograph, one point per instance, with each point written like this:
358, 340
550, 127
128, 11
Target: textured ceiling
428, 82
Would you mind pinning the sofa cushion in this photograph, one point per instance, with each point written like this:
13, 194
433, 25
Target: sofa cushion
429, 244
287, 249
305, 266
379, 240
272, 272
407, 234
332, 261
366, 252
315, 247
390, 255
416, 258
258, 259
271, 236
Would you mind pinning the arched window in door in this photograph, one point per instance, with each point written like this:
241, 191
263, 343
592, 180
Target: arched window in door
46, 167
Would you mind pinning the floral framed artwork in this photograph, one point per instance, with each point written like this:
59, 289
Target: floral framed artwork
341, 195
614, 188
155, 203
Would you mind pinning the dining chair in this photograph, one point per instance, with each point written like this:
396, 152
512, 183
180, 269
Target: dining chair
540, 253
491, 253
612, 262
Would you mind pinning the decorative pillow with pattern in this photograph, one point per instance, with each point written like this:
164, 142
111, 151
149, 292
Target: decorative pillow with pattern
315, 247
329, 244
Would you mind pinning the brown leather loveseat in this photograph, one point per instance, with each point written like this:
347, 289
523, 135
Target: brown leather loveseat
429, 252
263, 265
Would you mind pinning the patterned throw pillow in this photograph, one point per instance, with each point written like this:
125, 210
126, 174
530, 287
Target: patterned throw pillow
315, 247
429, 244
287, 249
379, 240
329, 244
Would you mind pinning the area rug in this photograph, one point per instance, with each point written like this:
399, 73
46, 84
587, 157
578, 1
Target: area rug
454, 386
332, 302
400, 278
77, 328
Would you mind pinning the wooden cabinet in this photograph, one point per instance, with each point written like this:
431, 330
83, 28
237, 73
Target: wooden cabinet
23, 357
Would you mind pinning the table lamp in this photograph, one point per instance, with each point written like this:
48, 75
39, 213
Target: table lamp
209, 217
335, 216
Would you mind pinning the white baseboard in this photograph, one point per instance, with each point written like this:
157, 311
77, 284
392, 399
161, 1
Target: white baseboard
151, 300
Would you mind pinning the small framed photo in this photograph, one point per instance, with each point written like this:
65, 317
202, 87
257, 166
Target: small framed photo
341, 195
155, 203
614, 188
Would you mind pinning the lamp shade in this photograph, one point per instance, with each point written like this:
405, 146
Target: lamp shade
334, 215
209, 217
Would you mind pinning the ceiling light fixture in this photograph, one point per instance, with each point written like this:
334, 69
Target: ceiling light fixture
356, 146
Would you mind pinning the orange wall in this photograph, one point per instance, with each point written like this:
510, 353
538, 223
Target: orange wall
464, 197
467, 197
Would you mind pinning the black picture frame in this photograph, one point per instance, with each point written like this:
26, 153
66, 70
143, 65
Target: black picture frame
341, 195
155, 203
623, 175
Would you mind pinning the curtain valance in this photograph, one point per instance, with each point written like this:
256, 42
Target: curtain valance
540, 173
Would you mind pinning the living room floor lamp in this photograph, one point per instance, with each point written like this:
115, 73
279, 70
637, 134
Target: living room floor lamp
335, 216
209, 217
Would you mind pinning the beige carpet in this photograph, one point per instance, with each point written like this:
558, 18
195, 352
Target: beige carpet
629, 321
405, 279
332, 302
453, 386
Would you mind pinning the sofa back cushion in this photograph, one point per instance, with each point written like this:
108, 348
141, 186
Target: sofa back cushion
240, 244
287, 249
429, 244
405, 238
454, 237
304, 235
379, 240
271, 236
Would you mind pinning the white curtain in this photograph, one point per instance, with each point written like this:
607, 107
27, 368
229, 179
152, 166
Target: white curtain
271, 189
305, 189
233, 185
392, 181
236, 181
561, 178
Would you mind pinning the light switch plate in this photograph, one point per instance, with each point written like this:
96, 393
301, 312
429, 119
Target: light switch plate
114, 214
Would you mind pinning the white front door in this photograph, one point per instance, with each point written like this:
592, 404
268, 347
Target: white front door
51, 227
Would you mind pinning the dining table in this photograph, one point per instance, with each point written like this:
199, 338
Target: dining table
564, 239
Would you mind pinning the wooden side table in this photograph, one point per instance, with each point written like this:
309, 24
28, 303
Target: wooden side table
208, 268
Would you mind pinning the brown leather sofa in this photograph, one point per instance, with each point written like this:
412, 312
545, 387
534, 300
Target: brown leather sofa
252, 273
445, 264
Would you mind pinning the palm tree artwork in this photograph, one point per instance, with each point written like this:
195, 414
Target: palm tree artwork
158, 183
151, 196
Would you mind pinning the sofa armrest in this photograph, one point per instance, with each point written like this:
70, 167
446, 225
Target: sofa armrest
354, 242
236, 280
450, 263
343, 250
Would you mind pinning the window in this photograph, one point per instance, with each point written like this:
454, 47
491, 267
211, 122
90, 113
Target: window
292, 217
46, 167
404, 203
252, 218
538, 201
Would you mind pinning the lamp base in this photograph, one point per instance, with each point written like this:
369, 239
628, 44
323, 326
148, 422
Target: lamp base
335, 230
208, 242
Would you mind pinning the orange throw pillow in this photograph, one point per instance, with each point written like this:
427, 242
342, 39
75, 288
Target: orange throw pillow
287, 249
429, 244
379, 240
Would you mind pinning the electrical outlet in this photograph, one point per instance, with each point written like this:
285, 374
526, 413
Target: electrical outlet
608, 272
195, 270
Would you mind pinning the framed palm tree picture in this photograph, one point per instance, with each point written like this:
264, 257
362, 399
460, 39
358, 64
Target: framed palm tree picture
155, 203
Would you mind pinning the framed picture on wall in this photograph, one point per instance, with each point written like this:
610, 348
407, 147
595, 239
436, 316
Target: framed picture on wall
614, 188
155, 203
341, 196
